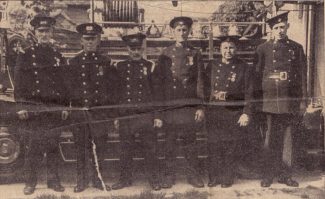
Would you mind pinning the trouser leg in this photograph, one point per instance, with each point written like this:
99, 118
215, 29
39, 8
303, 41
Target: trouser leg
127, 148
229, 161
170, 152
80, 142
52, 160
149, 146
191, 153
33, 157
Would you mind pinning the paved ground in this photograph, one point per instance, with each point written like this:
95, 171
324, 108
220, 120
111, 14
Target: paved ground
312, 186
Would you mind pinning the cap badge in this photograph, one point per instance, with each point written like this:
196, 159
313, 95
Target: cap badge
43, 22
89, 28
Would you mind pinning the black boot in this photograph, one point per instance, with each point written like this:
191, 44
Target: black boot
80, 187
154, 182
56, 186
196, 181
213, 181
266, 182
167, 181
29, 189
288, 181
123, 182
98, 185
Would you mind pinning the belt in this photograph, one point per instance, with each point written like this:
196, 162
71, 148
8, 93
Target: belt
220, 95
278, 76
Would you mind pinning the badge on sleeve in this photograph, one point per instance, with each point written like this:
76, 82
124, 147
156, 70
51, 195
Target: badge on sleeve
57, 60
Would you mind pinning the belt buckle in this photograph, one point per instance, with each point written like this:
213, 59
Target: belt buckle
283, 76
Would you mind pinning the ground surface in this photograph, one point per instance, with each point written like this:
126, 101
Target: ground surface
312, 186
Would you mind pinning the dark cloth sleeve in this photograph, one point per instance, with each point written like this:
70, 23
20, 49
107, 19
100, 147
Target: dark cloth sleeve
248, 90
18, 78
302, 60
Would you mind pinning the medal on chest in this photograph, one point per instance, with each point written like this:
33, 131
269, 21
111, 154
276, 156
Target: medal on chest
101, 70
145, 70
57, 61
190, 60
233, 77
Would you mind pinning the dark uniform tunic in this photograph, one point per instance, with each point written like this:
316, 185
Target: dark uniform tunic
38, 87
91, 84
281, 70
222, 114
180, 73
136, 93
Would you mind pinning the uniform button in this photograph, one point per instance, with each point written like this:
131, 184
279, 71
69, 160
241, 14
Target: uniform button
97, 83
173, 64
140, 77
140, 85
83, 66
128, 86
173, 71
217, 77
220, 65
84, 83
141, 71
128, 78
37, 82
33, 55
187, 49
128, 93
139, 100
289, 59
128, 71
34, 64
216, 84
35, 73
38, 91
174, 87
274, 51
97, 74
227, 85
129, 100
173, 56
141, 64
96, 101
129, 65
85, 92
140, 92
84, 58
57, 94
174, 49
93, 54
96, 91
83, 74
274, 61
218, 71
96, 66
86, 100
174, 80
233, 67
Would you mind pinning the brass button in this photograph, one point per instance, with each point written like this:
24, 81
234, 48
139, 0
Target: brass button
38, 91
129, 100
83, 74
85, 92
37, 81
174, 87
96, 91
83, 66
86, 100
35, 73
33, 55
34, 64
97, 83
84, 83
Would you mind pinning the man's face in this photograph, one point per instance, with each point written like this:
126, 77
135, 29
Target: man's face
135, 52
228, 50
44, 35
90, 43
181, 33
279, 30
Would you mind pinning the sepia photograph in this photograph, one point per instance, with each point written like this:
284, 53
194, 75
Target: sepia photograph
162, 99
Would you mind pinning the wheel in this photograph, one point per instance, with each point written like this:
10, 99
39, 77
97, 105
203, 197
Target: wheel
11, 156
